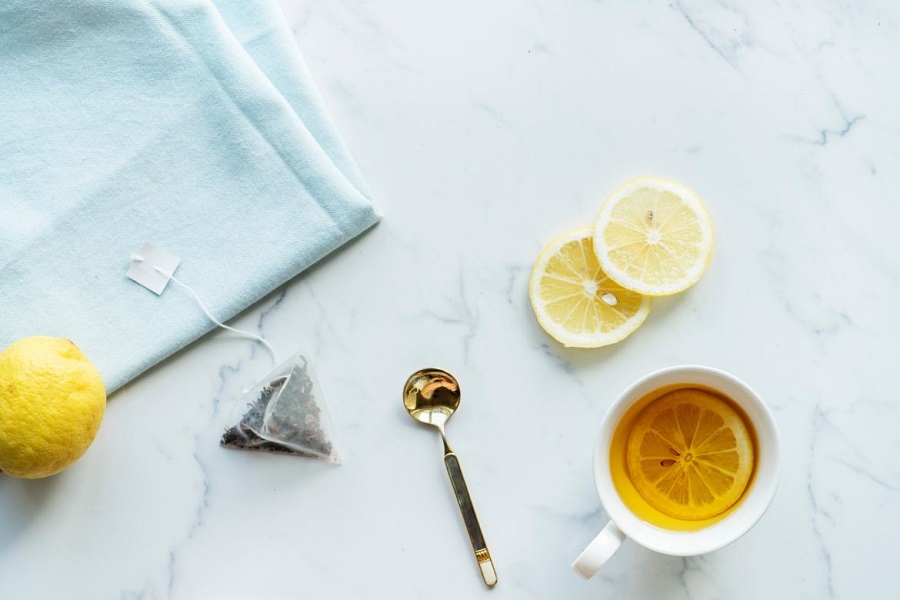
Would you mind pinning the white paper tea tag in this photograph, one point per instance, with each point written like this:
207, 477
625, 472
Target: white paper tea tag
152, 268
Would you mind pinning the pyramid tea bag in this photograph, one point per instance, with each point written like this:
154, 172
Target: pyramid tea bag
284, 413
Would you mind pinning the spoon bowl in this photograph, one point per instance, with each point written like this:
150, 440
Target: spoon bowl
431, 396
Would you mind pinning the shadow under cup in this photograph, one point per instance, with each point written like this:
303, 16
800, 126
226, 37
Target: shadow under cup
751, 506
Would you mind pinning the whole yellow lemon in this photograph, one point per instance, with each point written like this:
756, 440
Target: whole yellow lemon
52, 401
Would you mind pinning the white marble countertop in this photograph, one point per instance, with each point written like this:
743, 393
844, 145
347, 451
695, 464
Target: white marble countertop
484, 129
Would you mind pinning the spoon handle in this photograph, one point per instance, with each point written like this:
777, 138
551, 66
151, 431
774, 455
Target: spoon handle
482, 555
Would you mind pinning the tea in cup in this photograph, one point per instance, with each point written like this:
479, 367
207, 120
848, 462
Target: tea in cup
686, 462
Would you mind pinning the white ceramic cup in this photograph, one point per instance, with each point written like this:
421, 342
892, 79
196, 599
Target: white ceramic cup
625, 524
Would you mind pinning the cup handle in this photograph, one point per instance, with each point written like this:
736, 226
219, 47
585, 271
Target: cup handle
599, 551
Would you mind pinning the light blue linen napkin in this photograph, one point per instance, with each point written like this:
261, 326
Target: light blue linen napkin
125, 121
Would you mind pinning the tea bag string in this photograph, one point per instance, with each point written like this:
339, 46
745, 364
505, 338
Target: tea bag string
208, 314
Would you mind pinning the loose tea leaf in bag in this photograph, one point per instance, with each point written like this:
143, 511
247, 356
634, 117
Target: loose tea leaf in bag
284, 413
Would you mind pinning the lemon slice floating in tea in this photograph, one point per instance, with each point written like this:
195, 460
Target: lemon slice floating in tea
690, 455
574, 300
654, 236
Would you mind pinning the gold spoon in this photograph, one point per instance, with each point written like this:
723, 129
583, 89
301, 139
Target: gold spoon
431, 396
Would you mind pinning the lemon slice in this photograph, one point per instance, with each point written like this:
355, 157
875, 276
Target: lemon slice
690, 455
574, 300
654, 236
